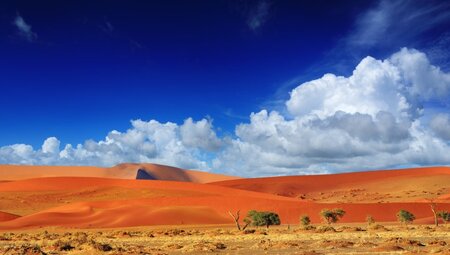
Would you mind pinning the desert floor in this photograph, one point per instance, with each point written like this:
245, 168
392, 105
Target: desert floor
346, 239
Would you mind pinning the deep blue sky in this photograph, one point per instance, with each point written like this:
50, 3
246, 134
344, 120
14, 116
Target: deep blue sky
91, 66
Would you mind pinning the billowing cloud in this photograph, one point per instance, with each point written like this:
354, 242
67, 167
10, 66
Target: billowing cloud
24, 29
199, 134
371, 119
146, 141
388, 113
399, 85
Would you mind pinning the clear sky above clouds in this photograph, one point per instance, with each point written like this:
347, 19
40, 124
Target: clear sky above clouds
251, 88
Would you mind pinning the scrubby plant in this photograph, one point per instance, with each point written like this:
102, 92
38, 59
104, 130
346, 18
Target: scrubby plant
332, 216
370, 220
444, 215
405, 217
305, 221
257, 218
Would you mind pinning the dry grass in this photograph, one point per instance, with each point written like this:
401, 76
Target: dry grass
391, 239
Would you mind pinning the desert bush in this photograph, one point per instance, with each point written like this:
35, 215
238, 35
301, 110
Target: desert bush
267, 219
102, 247
32, 249
405, 217
370, 220
332, 216
249, 231
444, 215
305, 221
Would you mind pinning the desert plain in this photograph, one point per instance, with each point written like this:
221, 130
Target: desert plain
155, 209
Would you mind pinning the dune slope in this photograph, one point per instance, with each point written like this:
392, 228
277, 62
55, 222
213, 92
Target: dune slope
121, 171
374, 186
104, 202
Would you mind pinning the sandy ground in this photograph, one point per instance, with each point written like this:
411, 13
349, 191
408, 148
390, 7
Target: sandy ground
354, 239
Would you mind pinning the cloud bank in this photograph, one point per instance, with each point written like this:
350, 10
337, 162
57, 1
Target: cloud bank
389, 113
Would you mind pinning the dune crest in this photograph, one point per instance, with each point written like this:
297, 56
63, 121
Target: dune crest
373, 186
121, 171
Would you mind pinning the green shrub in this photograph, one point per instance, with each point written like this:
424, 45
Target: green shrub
332, 216
406, 217
267, 219
305, 221
444, 215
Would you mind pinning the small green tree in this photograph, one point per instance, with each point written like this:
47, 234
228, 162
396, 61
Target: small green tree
405, 217
305, 221
267, 219
332, 216
370, 220
444, 215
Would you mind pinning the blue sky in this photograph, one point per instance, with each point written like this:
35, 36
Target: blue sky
75, 71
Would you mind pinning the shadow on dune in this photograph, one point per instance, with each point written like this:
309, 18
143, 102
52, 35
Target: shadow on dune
144, 175
168, 174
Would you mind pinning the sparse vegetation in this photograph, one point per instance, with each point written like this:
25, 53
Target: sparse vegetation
433, 209
257, 218
332, 216
370, 220
229, 240
444, 215
236, 220
405, 217
305, 221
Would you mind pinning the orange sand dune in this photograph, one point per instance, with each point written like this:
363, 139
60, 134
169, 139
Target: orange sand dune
7, 216
121, 171
374, 186
174, 203
30, 196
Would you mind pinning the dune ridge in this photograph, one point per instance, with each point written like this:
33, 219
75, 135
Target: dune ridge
121, 171
99, 202
372, 186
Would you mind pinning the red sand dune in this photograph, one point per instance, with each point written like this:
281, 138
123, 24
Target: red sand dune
7, 216
120, 201
180, 203
121, 171
430, 181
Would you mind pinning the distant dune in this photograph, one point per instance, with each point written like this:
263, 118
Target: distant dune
379, 186
121, 201
121, 171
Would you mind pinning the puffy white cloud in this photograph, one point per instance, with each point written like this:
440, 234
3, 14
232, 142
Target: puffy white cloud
375, 118
372, 119
51, 145
199, 134
399, 85
152, 141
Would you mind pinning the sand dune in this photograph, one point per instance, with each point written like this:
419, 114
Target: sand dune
122, 201
167, 202
121, 171
373, 186
7, 216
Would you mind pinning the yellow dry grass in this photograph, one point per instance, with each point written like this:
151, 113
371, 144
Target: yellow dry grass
392, 239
